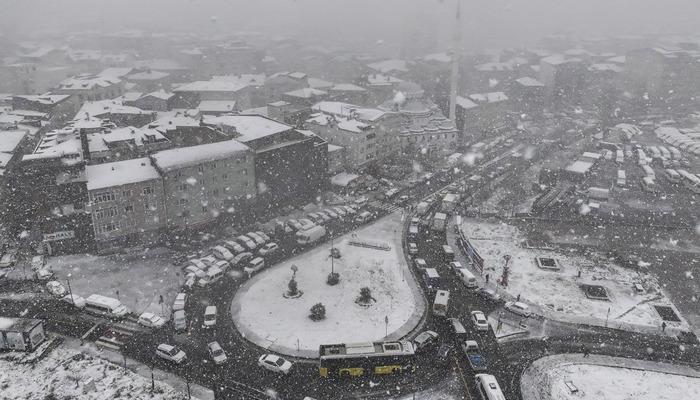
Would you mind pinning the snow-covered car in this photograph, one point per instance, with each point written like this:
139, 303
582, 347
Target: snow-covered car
242, 259
43, 274
171, 353
361, 201
420, 263
222, 253
455, 265
259, 241
233, 247
263, 235
331, 213
209, 319
38, 262
216, 353
342, 212
246, 242
74, 300
9, 258
275, 363
192, 269
479, 320
425, 339
412, 249
518, 308
351, 211
489, 294
268, 249
56, 288
151, 320
180, 300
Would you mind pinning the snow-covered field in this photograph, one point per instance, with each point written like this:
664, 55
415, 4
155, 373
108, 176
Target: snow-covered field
139, 278
607, 378
557, 294
69, 374
266, 317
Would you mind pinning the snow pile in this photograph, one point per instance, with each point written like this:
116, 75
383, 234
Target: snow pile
269, 319
69, 374
607, 378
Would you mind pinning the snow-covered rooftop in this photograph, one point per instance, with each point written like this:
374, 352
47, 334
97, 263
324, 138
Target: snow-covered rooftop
9, 140
466, 103
306, 93
100, 141
347, 87
168, 160
242, 79
115, 72
387, 66
346, 109
83, 82
600, 67
210, 86
100, 176
317, 83
492, 97
558, 59
528, 81
381, 79
217, 106
159, 94
45, 98
101, 107
148, 75
250, 127
439, 57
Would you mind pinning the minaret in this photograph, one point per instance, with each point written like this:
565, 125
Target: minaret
456, 49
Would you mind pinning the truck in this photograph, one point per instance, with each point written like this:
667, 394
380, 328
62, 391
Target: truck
311, 235
439, 222
476, 361
21, 334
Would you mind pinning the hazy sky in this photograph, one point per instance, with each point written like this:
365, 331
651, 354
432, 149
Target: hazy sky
486, 22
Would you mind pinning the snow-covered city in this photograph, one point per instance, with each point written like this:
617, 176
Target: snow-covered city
329, 200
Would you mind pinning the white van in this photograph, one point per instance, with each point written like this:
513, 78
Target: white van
212, 275
467, 278
363, 217
209, 317
448, 252
180, 321
105, 306
255, 265
441, 303
488, 387
457, 328
310, 235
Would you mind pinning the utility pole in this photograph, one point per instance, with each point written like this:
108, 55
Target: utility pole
456, 49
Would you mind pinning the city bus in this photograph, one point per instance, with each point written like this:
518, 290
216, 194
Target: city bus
488, 387
441, 303
361, 359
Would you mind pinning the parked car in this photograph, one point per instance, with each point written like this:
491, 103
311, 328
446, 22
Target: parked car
275, 363
425, 339
316, 218
56, 288
9, 258
479, 320
361, 201
74, 300
259, 241
412, 249
349, 210
342, 212
171, 353
489, 294
332, 214
151, 320
212, 275
518, 308
43, 274
242, 258
420, 263
294, 224
233, 247
363, 217
456, 265
38, 262
222, 253
254, 265
268, 249
180, 300
216, 353
263, 235
246, 242
209, 319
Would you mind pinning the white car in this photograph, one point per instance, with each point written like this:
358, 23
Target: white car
455, 265
268, 249
171, 353
412, 249
151, 320
518, 308
43, 274
74, 300
209, 317
179, 303
56, 288
216, 353
425, 339
489, 294
275, 363
479, 320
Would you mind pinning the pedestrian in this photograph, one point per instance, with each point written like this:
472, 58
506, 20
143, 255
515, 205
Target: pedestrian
663, 326
518, 297
586, 352
579, 273
487, 278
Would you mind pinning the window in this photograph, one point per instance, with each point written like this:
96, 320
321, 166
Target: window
185, 214
106, 212
129, 208
181, 202
205, 209
215, 192
127, 193
212, 165
147, 190
182, 187
103, 196
200, 168
224, 176
107, 228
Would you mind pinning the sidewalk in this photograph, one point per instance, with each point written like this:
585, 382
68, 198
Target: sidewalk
198, 392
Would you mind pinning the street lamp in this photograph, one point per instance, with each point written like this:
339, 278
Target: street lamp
69, 288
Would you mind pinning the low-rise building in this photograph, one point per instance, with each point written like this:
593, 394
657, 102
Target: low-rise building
110, 145
159, 100
356, 137
126, 203
88, 87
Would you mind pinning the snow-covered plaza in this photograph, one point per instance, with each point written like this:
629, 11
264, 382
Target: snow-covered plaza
266, 317
570, 376
557, 293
